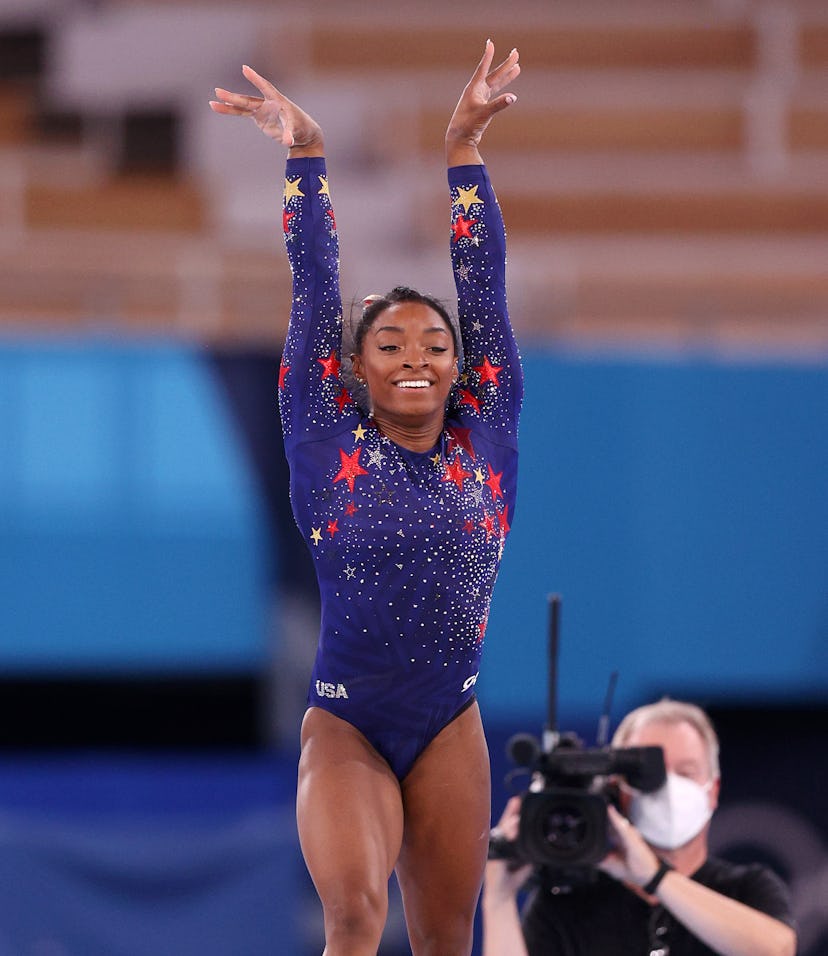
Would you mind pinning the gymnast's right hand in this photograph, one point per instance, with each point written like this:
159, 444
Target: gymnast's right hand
274, 114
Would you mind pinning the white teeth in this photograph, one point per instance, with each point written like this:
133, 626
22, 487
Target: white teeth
421, 384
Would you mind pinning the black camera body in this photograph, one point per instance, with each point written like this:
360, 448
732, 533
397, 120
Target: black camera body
563, 815
564, 826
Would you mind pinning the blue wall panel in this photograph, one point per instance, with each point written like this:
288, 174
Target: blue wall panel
130, 529
679, 507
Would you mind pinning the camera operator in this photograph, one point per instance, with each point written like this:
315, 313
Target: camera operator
657, 891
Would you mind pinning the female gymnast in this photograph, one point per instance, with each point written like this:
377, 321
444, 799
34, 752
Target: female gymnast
405, 506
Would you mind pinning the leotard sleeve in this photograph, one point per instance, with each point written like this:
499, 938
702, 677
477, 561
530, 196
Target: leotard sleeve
490, 391
313, 398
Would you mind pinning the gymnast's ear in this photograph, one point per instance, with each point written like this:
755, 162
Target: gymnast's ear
356, 365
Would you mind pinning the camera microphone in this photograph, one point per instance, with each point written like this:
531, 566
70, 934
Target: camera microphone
524, 750
643, 767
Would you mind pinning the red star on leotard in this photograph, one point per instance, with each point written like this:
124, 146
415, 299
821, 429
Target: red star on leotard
488, 372
330, 365
461, 228
286, 217
333, 527
481, 628
351, 468
493, 482
342, 399
283, 370
456, 473
466, 398
350, 509
468, 526
462, 437
503, 520
333, 218
488, 525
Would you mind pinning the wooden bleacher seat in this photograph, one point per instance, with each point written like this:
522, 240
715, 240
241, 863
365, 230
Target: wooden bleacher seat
138, 283
808, 127
629, 128
16, 114
813, 46
678, 210
128, 202
698, 297
367, 48
697, 290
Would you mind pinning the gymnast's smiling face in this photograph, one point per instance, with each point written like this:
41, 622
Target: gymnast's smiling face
408, 361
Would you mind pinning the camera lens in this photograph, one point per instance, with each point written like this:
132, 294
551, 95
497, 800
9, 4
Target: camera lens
565, 828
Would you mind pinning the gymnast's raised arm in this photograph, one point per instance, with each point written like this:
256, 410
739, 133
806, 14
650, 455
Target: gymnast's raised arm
312, 395
491, 391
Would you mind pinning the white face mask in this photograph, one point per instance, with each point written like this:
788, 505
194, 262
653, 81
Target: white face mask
672, 815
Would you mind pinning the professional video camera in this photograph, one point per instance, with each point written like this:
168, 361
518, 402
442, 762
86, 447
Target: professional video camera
563, 825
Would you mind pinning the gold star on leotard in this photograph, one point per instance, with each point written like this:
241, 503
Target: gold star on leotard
467, 197
292, 189
359, 432
316, 535
323, 189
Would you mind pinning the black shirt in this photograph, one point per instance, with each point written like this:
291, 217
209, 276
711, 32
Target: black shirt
605, 918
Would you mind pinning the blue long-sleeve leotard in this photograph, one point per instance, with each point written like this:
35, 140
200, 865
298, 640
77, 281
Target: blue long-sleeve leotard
406, 545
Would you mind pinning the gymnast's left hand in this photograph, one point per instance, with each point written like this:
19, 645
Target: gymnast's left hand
275, 115
479, 102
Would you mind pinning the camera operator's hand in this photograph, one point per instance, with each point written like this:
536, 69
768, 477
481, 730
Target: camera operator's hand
502, 882
504, 878
633, 860
724, 924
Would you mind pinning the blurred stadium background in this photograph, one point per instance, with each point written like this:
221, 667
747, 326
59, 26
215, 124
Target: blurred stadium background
665, 186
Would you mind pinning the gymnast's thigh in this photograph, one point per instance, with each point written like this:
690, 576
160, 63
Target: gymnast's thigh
447, 802
348, 809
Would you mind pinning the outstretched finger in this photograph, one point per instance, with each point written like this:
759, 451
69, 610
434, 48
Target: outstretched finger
504, 73
484, 65
227, 110
265, 87
239, 100
500, 103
